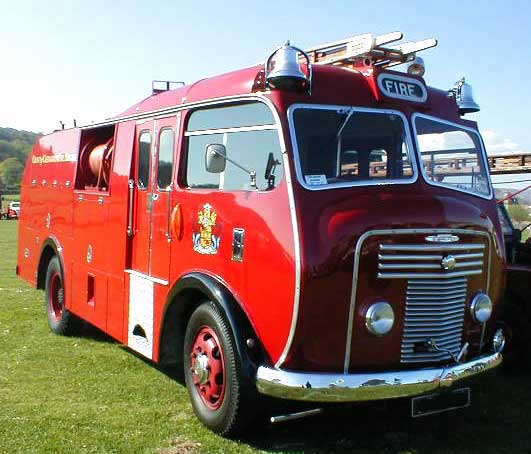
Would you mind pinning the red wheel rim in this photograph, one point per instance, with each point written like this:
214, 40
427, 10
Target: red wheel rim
208, 367
57, 296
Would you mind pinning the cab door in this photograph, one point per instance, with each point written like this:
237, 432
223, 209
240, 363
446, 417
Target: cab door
155, 150
166, 130
143, 197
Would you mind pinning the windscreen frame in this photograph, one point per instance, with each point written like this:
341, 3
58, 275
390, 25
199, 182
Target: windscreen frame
482, 151
349, 184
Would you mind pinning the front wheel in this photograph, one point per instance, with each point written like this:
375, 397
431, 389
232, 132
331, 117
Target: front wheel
60, 319
212, 372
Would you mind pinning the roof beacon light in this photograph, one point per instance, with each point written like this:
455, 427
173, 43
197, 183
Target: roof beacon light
416, 67
283, 69
464, 97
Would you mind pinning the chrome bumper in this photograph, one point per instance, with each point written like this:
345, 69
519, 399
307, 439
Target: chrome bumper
326, 387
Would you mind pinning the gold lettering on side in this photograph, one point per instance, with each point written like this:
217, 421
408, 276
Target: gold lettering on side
49, 159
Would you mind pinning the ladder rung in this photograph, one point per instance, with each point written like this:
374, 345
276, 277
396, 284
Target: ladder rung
348, 51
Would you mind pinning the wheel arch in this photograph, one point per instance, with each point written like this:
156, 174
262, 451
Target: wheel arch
186, 295
50, 248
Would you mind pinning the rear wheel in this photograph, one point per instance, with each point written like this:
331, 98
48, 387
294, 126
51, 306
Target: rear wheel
60, 319
212, 372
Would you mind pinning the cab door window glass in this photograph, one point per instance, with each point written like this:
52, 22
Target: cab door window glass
235, 116
251, 140
251, 149
144, 159
196, 173
165, 158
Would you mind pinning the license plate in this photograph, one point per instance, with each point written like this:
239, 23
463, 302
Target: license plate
439, 402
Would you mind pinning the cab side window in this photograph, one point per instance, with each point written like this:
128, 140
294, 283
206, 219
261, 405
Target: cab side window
250, 136
144, 159
165, 158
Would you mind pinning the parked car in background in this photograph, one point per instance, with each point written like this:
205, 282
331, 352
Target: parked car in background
14, 210
11, 212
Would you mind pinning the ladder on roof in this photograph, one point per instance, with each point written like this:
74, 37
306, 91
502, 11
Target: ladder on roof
368, 50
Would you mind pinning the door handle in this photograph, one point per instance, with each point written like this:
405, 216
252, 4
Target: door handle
131, 186
155, 197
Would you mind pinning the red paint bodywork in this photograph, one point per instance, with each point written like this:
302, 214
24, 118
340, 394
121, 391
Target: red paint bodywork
329, 222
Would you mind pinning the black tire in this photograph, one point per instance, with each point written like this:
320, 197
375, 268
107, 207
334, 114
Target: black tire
231, 412
60, 319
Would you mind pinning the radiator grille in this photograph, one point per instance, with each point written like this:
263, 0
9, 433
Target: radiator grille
414, 261
435, 309
436, 297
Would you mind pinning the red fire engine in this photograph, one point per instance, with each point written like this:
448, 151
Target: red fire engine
319, 228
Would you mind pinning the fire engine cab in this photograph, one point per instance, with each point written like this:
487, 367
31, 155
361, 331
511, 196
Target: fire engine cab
318, 228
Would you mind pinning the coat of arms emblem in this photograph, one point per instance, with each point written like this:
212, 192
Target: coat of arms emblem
205, 242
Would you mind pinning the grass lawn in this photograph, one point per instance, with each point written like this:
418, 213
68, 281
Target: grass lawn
89, 394
10, 198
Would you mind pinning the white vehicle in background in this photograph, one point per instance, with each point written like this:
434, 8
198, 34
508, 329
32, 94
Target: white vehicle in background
13, 212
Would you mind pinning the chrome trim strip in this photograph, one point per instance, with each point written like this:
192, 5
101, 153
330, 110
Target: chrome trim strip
296, 239
430, 247
411, 257
410, 266
427, 275
445, 289
329, 387
424, 266
156, 280
355, 270
483, 156
294, 144
435, 295
152, 114
206, 132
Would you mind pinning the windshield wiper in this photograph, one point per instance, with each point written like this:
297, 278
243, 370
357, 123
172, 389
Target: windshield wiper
344, 124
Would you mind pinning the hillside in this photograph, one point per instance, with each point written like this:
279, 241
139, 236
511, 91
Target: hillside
15, 146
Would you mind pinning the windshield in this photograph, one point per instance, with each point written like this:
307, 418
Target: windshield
344, 147
451, 156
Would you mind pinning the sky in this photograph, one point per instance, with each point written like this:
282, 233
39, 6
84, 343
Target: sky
90, 60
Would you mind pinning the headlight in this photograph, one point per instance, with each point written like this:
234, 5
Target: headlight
481, 307
379, 318
498, 341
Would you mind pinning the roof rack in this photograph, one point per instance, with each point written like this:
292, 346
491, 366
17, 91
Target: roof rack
368, 50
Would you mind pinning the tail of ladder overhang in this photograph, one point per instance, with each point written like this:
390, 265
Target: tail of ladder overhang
368, 50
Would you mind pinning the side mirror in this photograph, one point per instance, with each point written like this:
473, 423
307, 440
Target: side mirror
215, 158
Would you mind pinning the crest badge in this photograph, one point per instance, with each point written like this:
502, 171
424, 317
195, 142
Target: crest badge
206, 241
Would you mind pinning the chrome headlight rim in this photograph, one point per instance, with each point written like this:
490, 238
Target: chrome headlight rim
380, 318
481, 307
498, 341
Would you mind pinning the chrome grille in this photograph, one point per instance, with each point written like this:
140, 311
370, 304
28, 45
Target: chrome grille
436, 297
413, 261
435, 309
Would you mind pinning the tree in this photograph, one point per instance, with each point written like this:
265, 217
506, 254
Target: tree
518, 212
11, 171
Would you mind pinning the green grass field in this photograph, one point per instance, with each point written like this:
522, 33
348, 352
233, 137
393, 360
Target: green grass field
89, 394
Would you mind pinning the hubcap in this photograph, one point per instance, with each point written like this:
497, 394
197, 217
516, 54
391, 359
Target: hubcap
202, 368
208, 367
57, 296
